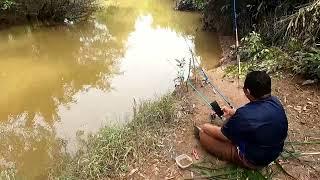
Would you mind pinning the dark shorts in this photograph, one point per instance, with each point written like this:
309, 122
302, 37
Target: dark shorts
238, 158
224, 150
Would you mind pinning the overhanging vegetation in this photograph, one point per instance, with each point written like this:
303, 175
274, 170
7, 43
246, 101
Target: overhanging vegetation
48, 11
277, 34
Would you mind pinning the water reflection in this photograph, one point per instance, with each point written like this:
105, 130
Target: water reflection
41, 70
58, 80
29, 149
145, 71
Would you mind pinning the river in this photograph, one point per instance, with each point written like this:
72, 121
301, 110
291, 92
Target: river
59, 81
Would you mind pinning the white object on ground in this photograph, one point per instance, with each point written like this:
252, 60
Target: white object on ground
185, 157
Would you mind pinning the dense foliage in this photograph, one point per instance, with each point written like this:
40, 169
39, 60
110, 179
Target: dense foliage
18, 11
190, 5
6, 4
274, 19
286, 34
308, 63
256, 55
269, 59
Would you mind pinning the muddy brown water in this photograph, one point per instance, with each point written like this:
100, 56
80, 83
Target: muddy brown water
58, 81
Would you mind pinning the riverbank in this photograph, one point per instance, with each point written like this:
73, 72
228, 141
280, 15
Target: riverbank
302, 104
115, 150
162, 129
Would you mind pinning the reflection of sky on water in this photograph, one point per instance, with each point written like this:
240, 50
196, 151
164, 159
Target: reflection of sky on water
145, 72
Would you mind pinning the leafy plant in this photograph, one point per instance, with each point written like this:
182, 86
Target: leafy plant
273, 19
260, 57
308, 63
303, 23
255, 55
251, 46
190, 5
49, 11
294, 45
199, 4
6, 4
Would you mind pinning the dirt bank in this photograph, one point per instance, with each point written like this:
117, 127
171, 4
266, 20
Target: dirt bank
302, 104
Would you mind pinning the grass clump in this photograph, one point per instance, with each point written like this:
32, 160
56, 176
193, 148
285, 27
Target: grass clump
208, 171
114, 150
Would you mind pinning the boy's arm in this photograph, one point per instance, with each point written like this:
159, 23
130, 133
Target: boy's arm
236, 127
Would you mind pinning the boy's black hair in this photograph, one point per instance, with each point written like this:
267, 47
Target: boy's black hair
259, 83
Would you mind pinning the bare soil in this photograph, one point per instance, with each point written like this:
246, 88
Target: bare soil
302, 104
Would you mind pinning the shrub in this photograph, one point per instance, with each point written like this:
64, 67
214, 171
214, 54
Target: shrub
251, 46
273, 19
260, 57
303, 23
190, 5
255, 55
6, 4
308, 63
50, 11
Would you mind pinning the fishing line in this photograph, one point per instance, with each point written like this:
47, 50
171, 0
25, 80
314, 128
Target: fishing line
200, 94
214, 106
207, 79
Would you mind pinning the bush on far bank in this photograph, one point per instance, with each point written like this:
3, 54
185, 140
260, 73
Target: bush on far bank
47, 11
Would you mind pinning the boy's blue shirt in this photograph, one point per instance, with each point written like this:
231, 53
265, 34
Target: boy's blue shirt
259, 129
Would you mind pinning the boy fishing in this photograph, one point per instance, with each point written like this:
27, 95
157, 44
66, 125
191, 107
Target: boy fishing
253, 135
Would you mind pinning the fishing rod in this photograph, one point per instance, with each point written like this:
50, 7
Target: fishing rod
200, 94
213, 105
235, 25
208, 81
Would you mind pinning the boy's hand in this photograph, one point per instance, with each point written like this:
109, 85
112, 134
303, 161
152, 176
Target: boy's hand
228, 112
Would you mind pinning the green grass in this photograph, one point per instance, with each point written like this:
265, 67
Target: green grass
207, 170
116, 150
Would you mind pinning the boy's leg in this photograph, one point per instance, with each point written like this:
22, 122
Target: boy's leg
214, 131
213, 141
